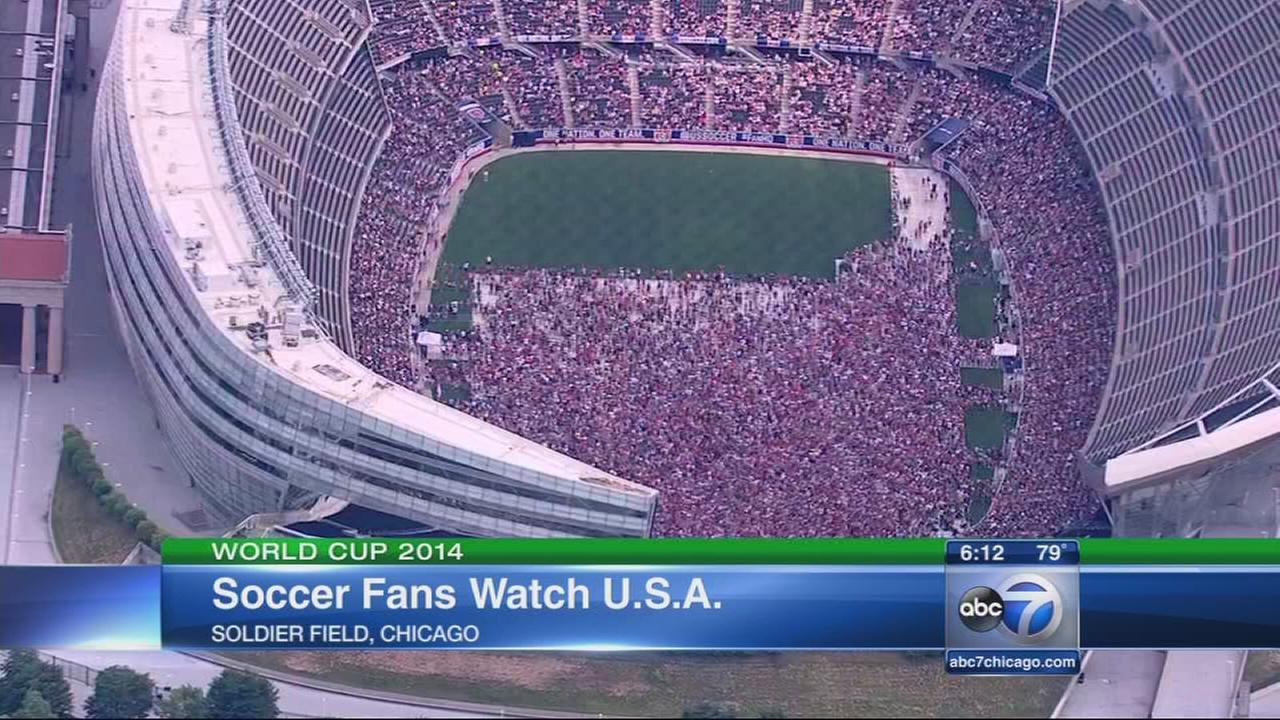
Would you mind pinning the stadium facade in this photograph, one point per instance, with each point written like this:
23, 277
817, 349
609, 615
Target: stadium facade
261, 407
234, 140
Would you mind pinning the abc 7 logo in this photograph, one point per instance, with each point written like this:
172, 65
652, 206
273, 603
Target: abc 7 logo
1026, 607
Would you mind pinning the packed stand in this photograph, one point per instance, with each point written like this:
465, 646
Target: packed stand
674, 98
403, 28
1005, 34
695, 18
927, 25
1031, 177
601, 91
884, 90
773, 19
543, 17
467, 20
849, 22
619, 17
426, 139
748, 98
822, 98
535, 89
942, 96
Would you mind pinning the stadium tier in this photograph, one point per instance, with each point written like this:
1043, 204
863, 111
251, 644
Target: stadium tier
267, 285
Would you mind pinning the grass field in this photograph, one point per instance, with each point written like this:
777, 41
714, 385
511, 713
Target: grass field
665, 684
990, 377
675, 210
985, 426
83, 530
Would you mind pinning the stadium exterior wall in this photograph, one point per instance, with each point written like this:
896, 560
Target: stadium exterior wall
250, 439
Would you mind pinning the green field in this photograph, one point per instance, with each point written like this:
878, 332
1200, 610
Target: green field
989, 377
985, 426
749, 214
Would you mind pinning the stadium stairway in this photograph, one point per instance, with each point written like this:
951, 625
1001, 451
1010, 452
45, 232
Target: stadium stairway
904, 112
633, 82
584, 19
504, 29
806, 23
784, 103
730, 19
435, 25
855, 103
892, 18
562, 79
655, 18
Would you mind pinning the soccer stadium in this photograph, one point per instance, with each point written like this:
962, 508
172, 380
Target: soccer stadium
665, 267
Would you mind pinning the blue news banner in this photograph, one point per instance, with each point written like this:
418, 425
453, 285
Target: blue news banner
586, 608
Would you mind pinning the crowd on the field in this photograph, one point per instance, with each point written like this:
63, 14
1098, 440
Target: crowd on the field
1001, 34
758, 405
851, 423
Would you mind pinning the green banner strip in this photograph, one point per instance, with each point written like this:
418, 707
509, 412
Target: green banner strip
520, 551
682, 551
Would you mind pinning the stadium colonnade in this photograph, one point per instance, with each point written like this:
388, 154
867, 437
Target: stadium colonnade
230, 269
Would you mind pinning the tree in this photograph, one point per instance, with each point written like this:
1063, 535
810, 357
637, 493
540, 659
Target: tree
120, 692
20, 668
184, 702
33, 706
145, 530
53, 687
235, 694
133, 516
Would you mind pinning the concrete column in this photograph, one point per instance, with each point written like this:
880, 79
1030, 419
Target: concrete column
28, 338
54, 357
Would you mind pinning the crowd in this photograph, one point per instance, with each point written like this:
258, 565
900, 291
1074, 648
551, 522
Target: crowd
1000, 33
850, 23
695, 18
758, 406
601, 91
619, 17
762, 405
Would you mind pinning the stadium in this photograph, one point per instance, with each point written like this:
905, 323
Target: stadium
280, 187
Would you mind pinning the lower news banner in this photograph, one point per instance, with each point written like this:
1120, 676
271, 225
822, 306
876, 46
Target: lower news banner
722, 607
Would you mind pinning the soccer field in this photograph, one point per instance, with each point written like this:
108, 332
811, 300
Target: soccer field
675, 210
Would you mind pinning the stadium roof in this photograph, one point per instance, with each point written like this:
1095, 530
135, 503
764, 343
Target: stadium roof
174, 134
31, 59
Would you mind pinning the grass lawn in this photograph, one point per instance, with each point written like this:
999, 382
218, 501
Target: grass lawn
978, 471
672, 210
664, 684
989, 377
82, 529
976, 308
984, 426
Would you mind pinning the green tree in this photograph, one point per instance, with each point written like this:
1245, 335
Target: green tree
53, 687
16, 675
115, 502
235, 694
711, 710
184, 702
33, 706
120, 692
101, 488
145, 530
134, 515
